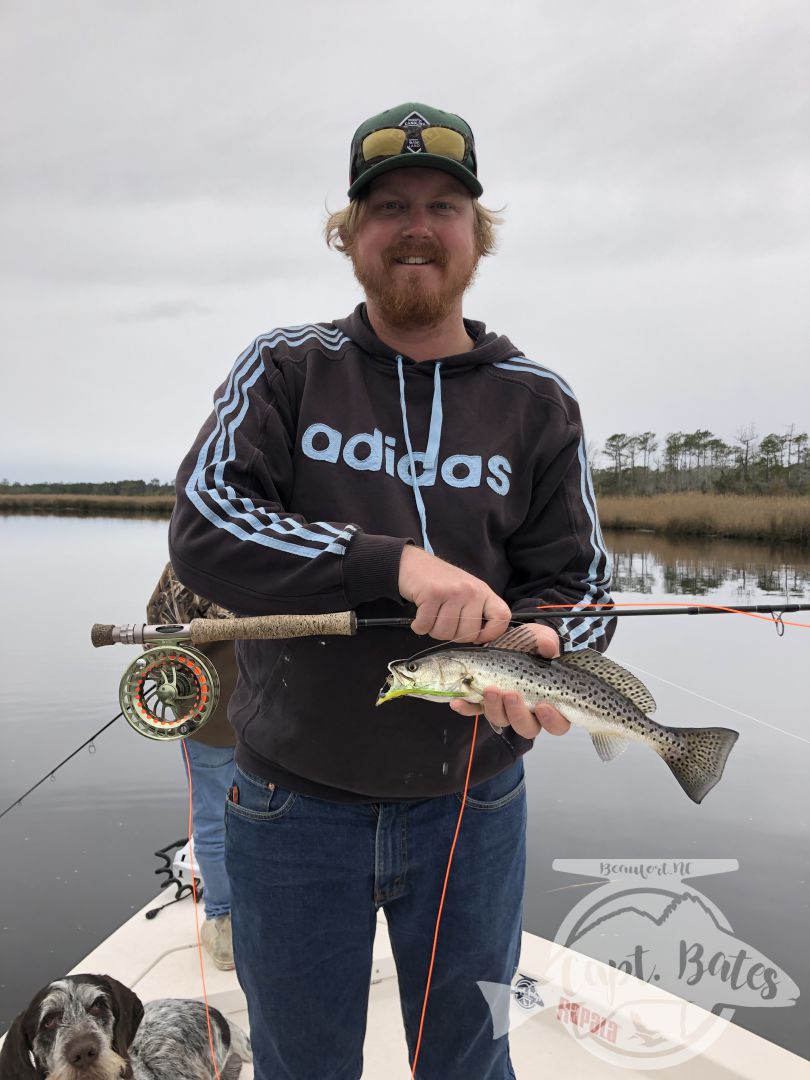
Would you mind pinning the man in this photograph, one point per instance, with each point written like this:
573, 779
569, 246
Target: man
401, 455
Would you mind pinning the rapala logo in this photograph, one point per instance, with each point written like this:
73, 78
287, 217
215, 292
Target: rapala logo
580, 1016
373, 451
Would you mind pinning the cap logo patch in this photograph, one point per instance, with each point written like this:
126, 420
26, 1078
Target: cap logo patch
413, 123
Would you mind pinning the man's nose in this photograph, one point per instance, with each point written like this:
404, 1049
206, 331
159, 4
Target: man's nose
417, 223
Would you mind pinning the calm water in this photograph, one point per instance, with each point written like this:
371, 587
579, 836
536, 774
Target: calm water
76, 857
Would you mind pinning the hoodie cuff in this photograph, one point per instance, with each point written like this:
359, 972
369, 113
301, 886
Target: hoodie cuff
371, 568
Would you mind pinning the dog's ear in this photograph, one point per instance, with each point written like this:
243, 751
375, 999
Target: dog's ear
128, 1013
15, 1053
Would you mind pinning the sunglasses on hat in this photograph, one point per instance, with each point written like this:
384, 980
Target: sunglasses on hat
390, 141
410, 135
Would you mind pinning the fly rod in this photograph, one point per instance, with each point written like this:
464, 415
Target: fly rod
346, 623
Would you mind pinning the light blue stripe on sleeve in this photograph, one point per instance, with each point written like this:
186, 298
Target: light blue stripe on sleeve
596, 586
252, 523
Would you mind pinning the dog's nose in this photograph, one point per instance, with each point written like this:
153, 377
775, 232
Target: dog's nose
82, 1052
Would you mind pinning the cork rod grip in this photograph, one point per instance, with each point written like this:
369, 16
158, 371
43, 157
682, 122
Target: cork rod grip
343, 623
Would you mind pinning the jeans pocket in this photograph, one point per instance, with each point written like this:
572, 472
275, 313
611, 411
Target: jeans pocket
498, 791
255, 799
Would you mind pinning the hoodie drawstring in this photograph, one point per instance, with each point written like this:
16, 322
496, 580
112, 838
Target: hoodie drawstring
431, 455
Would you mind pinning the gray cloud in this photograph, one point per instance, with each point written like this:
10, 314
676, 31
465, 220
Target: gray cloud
165, 195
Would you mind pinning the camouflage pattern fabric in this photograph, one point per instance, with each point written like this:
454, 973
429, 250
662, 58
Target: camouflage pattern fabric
172, 602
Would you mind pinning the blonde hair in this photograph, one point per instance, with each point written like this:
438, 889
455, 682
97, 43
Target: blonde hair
342, 226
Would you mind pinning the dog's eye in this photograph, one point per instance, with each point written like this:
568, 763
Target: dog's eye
99, 1006
50, 1021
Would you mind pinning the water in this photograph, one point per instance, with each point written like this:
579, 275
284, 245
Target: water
76, 857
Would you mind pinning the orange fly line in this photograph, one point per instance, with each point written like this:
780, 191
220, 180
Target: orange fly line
196, 913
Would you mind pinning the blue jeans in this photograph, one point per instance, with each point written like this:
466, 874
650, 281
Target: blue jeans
307, 878
211, 776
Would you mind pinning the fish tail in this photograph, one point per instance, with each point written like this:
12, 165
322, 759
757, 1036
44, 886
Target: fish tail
697, 757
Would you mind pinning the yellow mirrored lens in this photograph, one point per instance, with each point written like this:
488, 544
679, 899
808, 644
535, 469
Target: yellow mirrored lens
444, 141
383, 143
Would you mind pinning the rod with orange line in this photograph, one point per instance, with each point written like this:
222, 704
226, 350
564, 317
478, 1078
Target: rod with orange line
611, 611
346, 623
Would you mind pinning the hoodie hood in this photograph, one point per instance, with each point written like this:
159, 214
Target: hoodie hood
489, 348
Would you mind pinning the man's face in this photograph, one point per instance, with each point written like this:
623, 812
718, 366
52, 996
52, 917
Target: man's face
416, 214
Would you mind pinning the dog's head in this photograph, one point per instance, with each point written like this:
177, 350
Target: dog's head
77, 1028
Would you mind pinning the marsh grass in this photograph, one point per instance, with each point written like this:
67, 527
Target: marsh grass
753, 517
88, 505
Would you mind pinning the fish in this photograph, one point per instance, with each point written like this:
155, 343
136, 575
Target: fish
589, 689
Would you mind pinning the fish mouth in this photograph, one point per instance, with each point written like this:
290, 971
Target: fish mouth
400, 684
388, 691
412, 691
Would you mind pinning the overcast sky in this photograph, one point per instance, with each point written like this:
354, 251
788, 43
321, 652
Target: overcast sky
166, 166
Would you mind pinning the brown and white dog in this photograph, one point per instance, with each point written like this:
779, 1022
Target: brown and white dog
92, 1027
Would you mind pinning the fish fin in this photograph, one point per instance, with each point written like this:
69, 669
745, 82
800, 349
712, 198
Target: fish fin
608, 746
517, 639
697, 757
628, 685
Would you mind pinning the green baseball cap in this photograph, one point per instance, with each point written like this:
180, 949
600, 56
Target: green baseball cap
413, 135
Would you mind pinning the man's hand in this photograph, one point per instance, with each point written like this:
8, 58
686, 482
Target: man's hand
507, 709
451, 605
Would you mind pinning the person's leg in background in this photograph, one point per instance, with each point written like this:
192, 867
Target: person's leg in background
211, 776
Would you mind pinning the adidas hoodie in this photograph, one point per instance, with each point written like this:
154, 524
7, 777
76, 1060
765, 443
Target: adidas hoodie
325, 454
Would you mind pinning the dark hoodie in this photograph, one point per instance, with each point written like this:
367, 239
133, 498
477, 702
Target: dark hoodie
297, 497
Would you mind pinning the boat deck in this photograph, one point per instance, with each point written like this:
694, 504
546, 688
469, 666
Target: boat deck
159, 958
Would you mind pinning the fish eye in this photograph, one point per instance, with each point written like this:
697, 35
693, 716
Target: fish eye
412, 666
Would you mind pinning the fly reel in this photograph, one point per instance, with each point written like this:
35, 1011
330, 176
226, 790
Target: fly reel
169, 692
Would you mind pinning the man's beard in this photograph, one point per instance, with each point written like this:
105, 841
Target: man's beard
403, 299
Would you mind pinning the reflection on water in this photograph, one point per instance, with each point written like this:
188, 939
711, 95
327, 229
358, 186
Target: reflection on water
645, 563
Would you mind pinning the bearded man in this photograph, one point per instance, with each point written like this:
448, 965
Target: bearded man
403, 460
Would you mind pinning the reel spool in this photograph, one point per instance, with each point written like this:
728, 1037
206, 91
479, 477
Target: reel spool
169, 692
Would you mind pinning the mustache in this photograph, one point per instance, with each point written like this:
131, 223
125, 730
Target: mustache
418, 251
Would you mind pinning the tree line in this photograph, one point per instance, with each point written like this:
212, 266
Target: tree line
109, 487
641, 464
626, 464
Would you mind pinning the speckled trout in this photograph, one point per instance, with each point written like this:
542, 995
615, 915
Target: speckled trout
590, 690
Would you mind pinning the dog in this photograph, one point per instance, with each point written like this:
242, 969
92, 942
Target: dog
92, 1027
